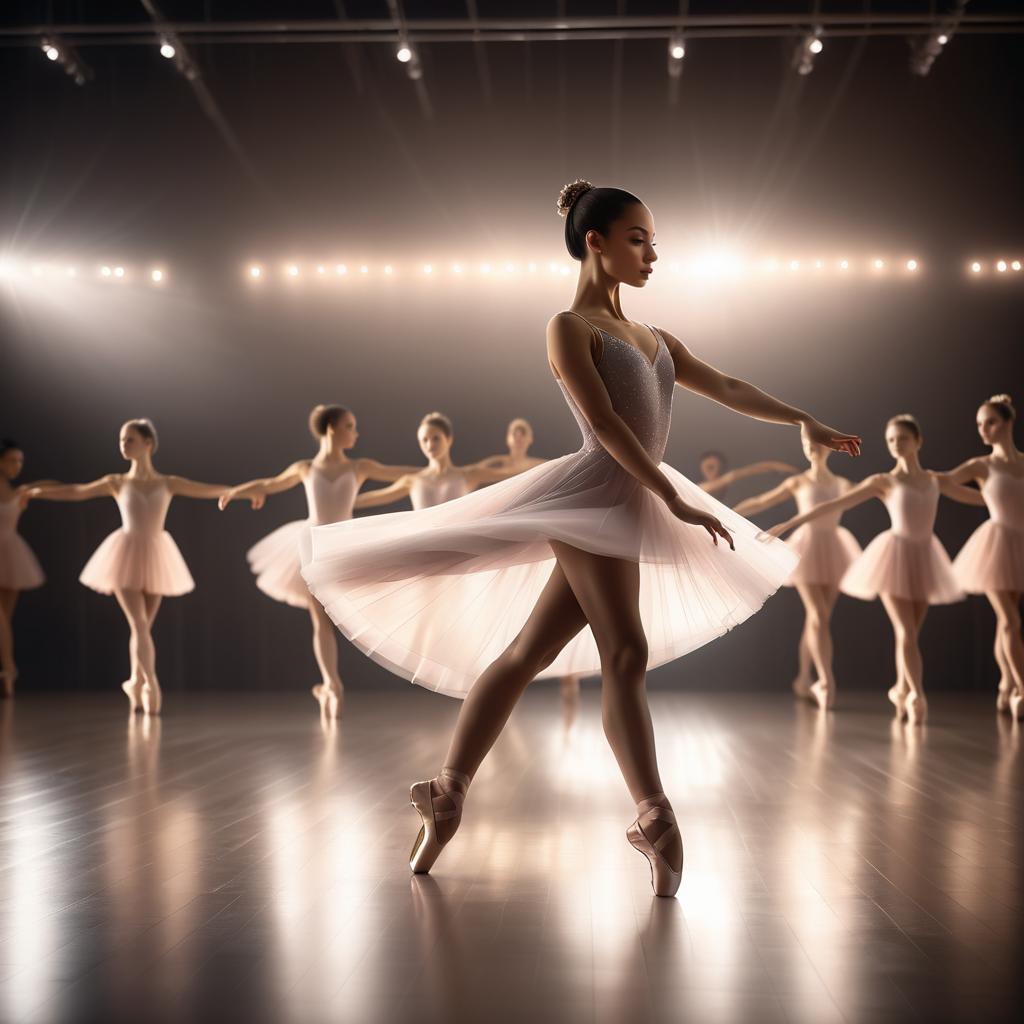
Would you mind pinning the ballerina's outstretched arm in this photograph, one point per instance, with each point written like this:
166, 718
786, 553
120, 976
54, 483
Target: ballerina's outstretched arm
769, 499
258, 490
182, 487
742, 472
950, 488
385, 495
371, 469
874, 486
700, 377
52, 490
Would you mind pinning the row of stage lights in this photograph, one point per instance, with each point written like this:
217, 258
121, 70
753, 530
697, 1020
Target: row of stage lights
713, 266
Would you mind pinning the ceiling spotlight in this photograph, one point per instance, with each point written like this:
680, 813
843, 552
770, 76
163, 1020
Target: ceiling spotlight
156, 276
293, 270
404, 53
676, 48
427, 268
61, 53
51, 51
118, 272
1015, 265
942, 39
911, 265
924, 52
485, 268
341, 269
844, 264
879, 264
387, 269
807, 49
255, 272
1001, 266
105, 271
167, 48
794, 264
456, 268
364, 269
975, 267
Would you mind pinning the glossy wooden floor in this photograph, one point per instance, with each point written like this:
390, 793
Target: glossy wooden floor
238, 862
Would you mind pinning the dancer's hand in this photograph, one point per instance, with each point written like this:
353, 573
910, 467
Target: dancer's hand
812, 430
257, 501
225, 499
698, 517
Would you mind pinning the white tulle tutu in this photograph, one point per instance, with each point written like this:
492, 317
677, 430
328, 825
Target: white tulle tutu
275, 562
992, 559
19, 567
130, 560
917, 570
436, 595
825, 554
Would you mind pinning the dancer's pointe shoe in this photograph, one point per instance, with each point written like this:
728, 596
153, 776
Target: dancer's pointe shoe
329, 699
1017, 706
824, 696
133, 691
451, 784
1003, 695
917, 709
898, 699
665, 879
802, 688
152, 699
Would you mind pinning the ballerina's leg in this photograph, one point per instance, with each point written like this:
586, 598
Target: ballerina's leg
8, 599
141, 651
325, 650
907, 617
1007, 608
819, 601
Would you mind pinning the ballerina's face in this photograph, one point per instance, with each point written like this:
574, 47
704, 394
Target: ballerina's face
11, 463
991, 426
133, 444
627, 253
519, 436
711, 467
434, 442
901, 441
344, 431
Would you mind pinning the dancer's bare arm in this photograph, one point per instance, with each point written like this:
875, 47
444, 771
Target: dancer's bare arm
104, 487
972, 469
257, 490
700, 377
371, 469
182, 487
876, 486
742, 472
570, 343
385, 495
769, 499
958, 492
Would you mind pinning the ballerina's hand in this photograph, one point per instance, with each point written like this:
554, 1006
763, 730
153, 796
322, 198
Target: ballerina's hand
812, 430
258, 501
698, 517
224, 500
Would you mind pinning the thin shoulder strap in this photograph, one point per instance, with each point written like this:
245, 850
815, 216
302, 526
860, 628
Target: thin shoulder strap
596, 330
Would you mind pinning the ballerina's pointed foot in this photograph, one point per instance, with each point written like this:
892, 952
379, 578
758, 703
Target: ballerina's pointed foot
1017, 706
824, 696
152, 699
439, 805
899, 700
917, 709
665, 875
802, 688
1003, 695
133, 691
329, 698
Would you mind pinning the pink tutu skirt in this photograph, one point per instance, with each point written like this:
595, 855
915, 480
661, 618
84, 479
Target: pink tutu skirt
917, 570
992, 559
137, 561
275, 562
19, 567
436, 595
825, 554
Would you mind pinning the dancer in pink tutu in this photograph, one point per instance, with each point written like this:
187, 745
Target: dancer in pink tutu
826, 551
602, 560
906, 566
992, 560
19, 568
441, 480
715, 478
331, 481
139, 564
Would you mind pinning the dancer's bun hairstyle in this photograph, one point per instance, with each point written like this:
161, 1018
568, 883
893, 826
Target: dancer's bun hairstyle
324, 416
588, 208
908, 420
144, 427
1003, 404
440, 421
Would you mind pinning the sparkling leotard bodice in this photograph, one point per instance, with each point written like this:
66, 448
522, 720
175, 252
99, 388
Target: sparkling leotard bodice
143, 510
812, 493
329, 500
1004, 495
641, 393
912, 509
427, 491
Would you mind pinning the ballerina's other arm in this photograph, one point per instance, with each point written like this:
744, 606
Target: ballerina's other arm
769, 499
51, 490
386, 495
570, 353
702, 378
371, 469
258, 490
951, 488
742, 472
875, 486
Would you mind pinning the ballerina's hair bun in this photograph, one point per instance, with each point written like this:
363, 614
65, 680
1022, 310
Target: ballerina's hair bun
588, 208
144, 427
440, 422
908, 420
568, 196
1003, 404
324, 416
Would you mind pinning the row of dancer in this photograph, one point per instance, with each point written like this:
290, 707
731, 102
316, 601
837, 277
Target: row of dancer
906, 567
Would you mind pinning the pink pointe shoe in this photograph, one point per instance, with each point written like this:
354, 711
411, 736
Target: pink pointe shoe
427, 847
329, 699
1017, 706
917, 709
133, 691
664, 878
824, 696
1003, 696
899, 700
152, 699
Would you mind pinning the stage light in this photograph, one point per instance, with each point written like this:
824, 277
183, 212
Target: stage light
1001, 266
255, 272
364, 269
456, 268
565, 271
321, 269
879, 264
844, 264
292, 270
387, 269
815, 46
924, 52
818, 264
118, 272
975, 267
167, 50
156, 275
66, 56
807, 49
51, 51
485, 268
341, 269
942, 39
427, 268
1015, 265
676, 48
911, 265
794, 264
404, 54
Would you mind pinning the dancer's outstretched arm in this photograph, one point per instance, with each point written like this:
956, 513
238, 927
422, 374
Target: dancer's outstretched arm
874, 486
957, 492
51, 490
182, 487
257, 490
570, 352
971, 469
385, 495
702, 378
371, 469
742, 472
769, 499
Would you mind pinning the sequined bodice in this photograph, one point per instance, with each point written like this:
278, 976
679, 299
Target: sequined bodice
641, 393
143, 510
1004, 495
427, 491
912, 509
812, 493
328, 499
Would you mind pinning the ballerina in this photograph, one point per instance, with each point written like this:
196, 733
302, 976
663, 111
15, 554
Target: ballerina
716, 478
139, 564
906, 566
826, 551
992, 560
19, 568
331, 481
441, 480
597, 561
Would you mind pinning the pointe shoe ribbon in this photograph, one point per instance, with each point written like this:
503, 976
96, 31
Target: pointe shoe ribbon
427, 847
664, 878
